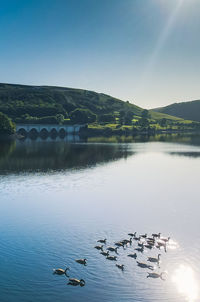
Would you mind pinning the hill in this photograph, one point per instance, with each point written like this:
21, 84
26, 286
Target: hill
186, 110
23, 102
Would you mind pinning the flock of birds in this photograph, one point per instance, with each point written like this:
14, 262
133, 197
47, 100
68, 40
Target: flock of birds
143, 242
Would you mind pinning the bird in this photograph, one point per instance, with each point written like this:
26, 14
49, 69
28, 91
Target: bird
112, 249
144, 236
82, 261
102, 240
99, 247
165, 239
132, 255
119, 244
148, 246
60, 271
156, 235
120, 266
141, 244
137, 238
156, 275
155, 260
132, 234
75, 282
144, 265
140, 249
105, 253
111, 258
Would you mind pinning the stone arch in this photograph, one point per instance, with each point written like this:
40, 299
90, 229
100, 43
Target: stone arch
22, 131
44, 132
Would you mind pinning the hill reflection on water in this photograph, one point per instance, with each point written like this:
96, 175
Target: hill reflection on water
48, 154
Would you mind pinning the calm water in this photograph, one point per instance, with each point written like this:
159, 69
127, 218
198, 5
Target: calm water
59, 197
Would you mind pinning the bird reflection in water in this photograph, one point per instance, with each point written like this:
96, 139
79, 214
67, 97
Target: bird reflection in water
186, 283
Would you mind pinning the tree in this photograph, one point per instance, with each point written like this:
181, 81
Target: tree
128, 118
82, 116
60, 118
106, 118
163, 122
6, 125
145, 113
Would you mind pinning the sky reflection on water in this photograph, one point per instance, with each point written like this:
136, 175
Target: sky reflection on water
58, 199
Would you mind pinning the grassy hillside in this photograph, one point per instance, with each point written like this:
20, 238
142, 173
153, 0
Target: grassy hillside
185, 110
22, 101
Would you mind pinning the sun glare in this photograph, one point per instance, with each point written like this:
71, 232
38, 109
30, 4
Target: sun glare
186, 283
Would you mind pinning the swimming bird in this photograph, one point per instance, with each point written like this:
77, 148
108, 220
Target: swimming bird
111, 258
165, 239
82, 261
132, 234
148, 246
75, 282
156, 275
137, 238
155, 260
60, 271
102, 240
156, 235
99, 247
132, 255
119, 244
105, 253
112, 249
144, 265
120, 266
144, 236
140, 249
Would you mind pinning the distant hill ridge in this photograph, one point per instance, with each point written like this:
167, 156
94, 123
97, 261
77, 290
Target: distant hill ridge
186, 110
39, 101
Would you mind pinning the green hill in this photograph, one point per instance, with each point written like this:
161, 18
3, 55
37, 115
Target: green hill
20, 101
185, 110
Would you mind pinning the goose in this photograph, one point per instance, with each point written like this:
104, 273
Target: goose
148, 246
120, 266
60, 271
111, 258
140, 249
165, 239
132, 255
102, 240
141, 244
99, 247
159, 244
156, 235
144, 265
156, 275
75, 282
137, 238
155, 260
150, 239
144, 236
119, 244
112, 249
132, 234
105, 253
81, 261
149, 242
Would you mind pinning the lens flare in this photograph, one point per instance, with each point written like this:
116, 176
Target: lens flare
186, 283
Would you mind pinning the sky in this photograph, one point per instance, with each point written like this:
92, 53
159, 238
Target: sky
143, 51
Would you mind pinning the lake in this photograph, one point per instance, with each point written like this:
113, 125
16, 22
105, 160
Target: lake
58, 197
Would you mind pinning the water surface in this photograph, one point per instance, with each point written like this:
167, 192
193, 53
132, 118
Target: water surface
59, 197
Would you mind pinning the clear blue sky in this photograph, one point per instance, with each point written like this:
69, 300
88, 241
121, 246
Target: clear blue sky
144, 51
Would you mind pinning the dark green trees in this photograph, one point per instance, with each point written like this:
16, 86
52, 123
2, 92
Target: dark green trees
82, 116
6, 125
